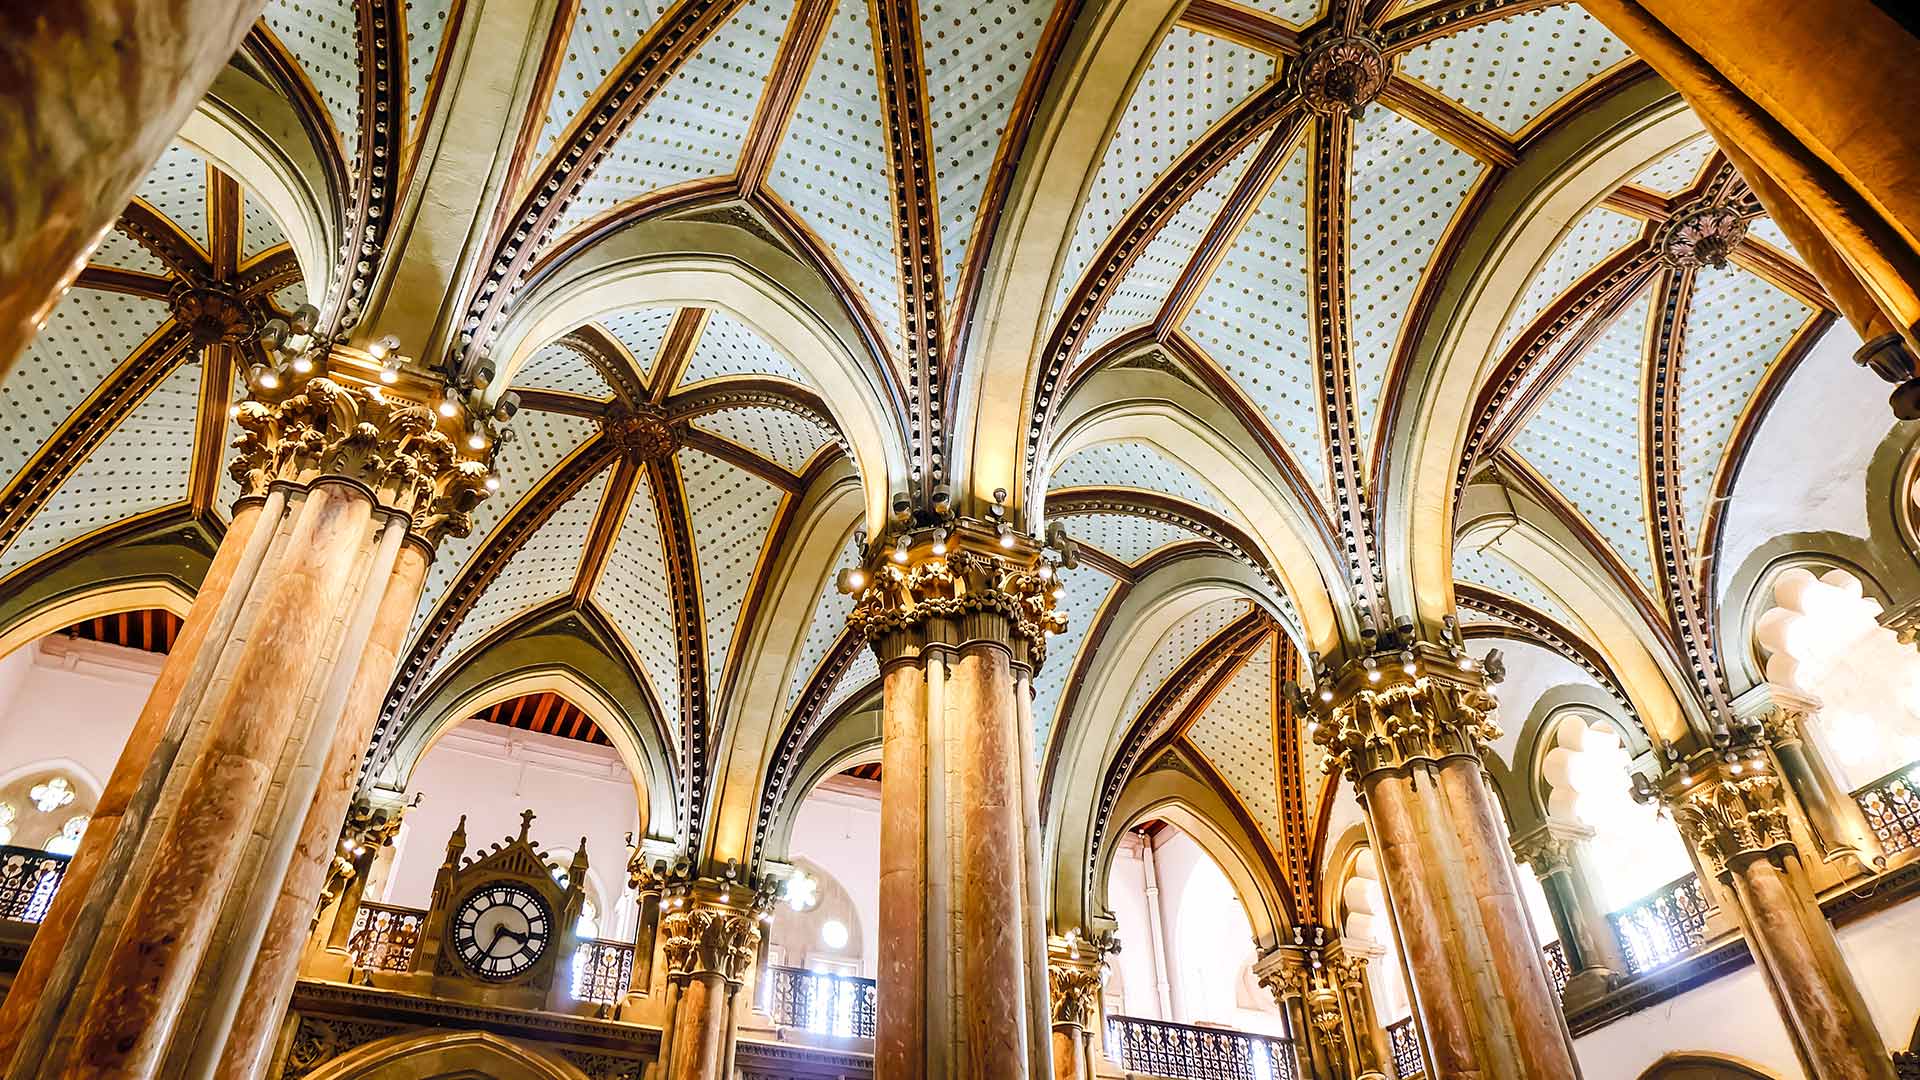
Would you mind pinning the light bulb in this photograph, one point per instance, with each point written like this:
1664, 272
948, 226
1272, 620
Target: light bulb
448, 406
301, 364
269, 379
390, 374
477, 440
1326, 694
493, 483
940, 542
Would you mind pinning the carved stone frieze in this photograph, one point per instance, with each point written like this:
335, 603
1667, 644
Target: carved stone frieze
1397, 719
1074, 994
1701, 234
710, 941
1341, 73
391, 446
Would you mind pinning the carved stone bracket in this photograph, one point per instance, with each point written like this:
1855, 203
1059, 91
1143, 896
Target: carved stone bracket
710, 941
392, 447
1384, 717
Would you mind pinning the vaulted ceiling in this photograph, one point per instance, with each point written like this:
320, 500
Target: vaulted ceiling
1238, 244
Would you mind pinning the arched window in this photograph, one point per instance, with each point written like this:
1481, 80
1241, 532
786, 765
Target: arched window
1823, 639
1367, 919
1589, 776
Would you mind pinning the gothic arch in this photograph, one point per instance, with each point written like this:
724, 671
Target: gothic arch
434, 1055
58, 612
1701, 1065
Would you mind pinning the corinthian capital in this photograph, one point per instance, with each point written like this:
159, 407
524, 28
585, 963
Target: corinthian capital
1074, 993
392, 447
1730, 812
710, 941
1384, 715
958, 584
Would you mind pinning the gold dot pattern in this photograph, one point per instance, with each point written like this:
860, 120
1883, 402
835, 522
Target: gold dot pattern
1592, 239
787, 439
1676, 171
86, 336
633, 590
1180, 641
177, 188
560, 367
601, 36
731, 511
426, 27
1087, 591
1513, 70
324, 38
1126, 537
830, 613
1236, 734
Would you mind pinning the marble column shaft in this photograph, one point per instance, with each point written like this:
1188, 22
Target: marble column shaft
93, 93
709, 950
151, 966
250, 1042
119, 818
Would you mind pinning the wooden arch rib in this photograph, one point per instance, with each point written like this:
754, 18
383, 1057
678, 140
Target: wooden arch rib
1416, 28
507, 538
1217, 661
660, 54
1153, 506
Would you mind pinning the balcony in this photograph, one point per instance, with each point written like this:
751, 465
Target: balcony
818, 1002
28, 879
1185, 1052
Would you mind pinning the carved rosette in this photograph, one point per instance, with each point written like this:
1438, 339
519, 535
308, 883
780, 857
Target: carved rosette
213, 316
710, 941
390, 446
982, 595
1341, 73
1732, 819
1702, 234
643, 433
1074, 994
1407, 719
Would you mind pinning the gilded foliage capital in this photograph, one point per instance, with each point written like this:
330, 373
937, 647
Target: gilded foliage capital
710, 941
961, 587
1386, 716
391, 446
1074, 993
1731, 812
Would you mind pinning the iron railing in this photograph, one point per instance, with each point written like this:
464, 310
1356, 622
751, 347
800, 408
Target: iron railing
819, 1002
384, 937
602, 970
1892, 806
28, 879
1556, 954
1663, 927
1185, 1052
1404, 1044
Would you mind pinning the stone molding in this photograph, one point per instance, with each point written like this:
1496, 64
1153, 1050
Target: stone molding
388, 446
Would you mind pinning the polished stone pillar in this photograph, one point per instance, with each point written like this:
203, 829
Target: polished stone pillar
1559, 854
1075, 974
958, 633
345, 478
1410, 742
1734, 809
1781, 87
1320, 984
91, 93
709, 948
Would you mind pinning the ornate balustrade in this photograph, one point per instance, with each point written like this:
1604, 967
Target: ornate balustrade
1556, 955
1185, 1052
602, 970
1404, 1044
819, 1002
1663, 927
28, 879
1892, 806
384, 937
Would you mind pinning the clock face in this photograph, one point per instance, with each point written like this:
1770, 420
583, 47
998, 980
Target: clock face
500, 930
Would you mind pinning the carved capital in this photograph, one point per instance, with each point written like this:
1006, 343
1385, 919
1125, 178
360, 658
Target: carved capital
1074, 993
1731, 812
967, 587
710, 941
1341, 73
392, 447
1701, 234
1388, 717
1549, 849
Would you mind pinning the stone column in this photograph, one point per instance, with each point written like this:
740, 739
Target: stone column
1780, 88
1734, 809
1320, 984
1410, 742
344, 475
94, 92
710, 946
1075, 975
1560, 857
1834, 820
959, 620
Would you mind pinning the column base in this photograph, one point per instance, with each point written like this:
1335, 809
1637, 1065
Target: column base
1588, 987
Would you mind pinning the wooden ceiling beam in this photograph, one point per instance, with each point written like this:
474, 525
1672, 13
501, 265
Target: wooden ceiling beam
217, 363
799, 48
1254, 29
604, 532
1450, 120
676, 349
1425, 24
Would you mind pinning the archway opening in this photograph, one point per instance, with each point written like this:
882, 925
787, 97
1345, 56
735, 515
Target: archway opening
823, 942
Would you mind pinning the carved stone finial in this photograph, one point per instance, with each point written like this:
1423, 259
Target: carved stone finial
1340, 73
643, 433
526, 822
1701, 234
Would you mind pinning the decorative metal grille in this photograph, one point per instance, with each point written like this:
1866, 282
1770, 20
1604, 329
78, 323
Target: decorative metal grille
1663, 927
1404, 1044
1184, 1052
1557, 966
28, 879
819, 1002
602, 970
1892, 806
384, 937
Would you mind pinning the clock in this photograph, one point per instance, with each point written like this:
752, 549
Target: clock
501, 930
